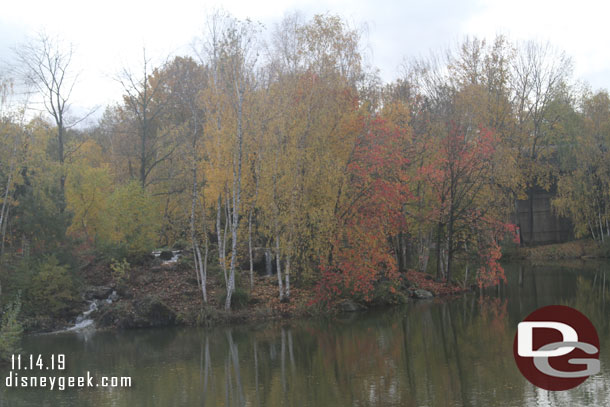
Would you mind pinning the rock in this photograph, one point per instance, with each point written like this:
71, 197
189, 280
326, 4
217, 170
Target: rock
124, 291
144, 313
114, 296
350, 306
100, 292
166, 255
422, 294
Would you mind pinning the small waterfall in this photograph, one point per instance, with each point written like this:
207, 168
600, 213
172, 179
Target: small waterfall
83, 321
164, 255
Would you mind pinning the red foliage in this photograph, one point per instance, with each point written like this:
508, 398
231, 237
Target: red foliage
423, 280
373, 212
458, 175
491, 271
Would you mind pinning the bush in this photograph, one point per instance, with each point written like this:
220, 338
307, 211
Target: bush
11, 330
133, 216
239, 299
120, 271
52, 291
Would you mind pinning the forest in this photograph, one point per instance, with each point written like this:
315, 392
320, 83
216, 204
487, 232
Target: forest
284, 145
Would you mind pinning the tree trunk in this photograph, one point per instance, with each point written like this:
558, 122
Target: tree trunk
591, 228
6, 218
287, 275
450, 246
439, 274
196, 251
279, 269
236, 198
268, 262
250, 249
601, 228
530, 217
221, 239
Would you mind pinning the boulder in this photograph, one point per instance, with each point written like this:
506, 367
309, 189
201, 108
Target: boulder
100, 292
422, 294
166, 255
114, 296
144, 313
350, 306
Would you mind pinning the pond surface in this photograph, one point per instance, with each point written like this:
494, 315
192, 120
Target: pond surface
452, 353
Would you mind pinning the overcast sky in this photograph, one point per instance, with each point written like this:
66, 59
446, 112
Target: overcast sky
110, 34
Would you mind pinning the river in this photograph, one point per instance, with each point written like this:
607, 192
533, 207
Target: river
430, 353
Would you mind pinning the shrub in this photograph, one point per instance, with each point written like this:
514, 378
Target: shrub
120, 271
133, 216
239, 299
11, 330
52, 291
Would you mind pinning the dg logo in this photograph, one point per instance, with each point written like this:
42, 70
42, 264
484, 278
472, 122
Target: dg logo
556, 348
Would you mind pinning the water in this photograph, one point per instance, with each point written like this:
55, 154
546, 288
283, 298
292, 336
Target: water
456, 353
83, 321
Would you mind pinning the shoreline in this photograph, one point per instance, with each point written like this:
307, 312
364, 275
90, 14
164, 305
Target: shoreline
168, 295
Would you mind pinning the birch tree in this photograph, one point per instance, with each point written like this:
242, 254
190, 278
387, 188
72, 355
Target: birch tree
238, 56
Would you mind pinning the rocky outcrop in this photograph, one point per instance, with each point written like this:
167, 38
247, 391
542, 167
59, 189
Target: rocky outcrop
421, 294
350, 306
144, 313
100, 292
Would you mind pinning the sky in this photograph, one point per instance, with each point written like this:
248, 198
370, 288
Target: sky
110, 35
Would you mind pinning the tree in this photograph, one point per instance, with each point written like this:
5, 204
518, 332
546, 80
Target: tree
370, 216
584, 181
186, 82
142, 103
314, 68
46, 64
232, 56
539, 75
459, 175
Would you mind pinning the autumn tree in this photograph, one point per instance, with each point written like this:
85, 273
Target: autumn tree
370, 216
315, 69
583, 185
46, 64
231, 53
539, 74
151, 143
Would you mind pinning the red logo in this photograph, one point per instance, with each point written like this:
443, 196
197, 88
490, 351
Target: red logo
556, 348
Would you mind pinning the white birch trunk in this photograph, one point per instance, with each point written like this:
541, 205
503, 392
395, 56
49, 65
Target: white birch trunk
601, 228
591, 229
221, 246
287, 275
278, 263
236, 198
250, 249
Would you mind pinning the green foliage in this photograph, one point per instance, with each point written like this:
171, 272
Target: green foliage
239, 299
132, 217
388, 292
11, 330
87, 190
120, 271
52, 290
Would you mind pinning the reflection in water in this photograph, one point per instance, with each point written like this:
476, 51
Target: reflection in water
456, 353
